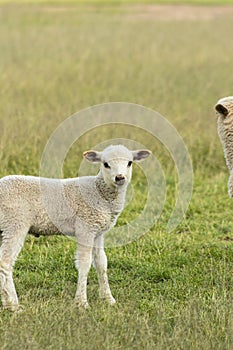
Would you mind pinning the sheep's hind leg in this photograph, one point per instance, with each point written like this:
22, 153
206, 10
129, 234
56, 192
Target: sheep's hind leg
100, 263
12, 242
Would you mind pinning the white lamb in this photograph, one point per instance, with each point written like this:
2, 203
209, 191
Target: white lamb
224, 109
85, 207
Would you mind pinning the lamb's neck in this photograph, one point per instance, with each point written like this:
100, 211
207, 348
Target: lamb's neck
226, 136
111, 194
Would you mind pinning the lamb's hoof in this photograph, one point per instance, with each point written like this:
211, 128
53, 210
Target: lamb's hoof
82, 304
19, 309
13, 307
109, 299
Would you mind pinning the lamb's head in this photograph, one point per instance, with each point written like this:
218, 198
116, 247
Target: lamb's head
116, 163
224, 109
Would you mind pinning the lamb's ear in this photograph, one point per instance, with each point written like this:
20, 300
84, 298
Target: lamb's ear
140, 154
92, 156
221, 109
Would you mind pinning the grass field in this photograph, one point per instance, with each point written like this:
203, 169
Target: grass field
173, 290
118, 2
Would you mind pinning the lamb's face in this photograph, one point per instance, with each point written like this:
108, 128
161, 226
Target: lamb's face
116, 163
224, 109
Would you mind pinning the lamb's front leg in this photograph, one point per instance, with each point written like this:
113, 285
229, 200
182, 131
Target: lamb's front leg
100, 263
83, 264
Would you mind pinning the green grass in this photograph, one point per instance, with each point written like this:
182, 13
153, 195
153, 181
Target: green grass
119, 2
174, 291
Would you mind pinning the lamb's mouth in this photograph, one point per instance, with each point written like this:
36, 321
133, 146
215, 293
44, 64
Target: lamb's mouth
119, 182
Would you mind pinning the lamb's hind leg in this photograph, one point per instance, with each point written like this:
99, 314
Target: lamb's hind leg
100, 263
12, 242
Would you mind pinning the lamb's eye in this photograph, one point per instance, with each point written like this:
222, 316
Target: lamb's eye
106, 165
130, 163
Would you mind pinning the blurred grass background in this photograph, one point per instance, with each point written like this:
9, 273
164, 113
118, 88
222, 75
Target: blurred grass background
119, 2
174, 291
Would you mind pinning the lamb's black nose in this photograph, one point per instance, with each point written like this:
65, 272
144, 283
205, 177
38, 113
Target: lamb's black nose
120, 179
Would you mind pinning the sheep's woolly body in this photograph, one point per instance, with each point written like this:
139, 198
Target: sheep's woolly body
43, 202
84, 207
224, 108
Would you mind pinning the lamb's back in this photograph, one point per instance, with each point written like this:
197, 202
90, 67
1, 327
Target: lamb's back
55, 205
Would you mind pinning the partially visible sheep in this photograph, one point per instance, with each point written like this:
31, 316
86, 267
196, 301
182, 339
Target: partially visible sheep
224, 109
89, 207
